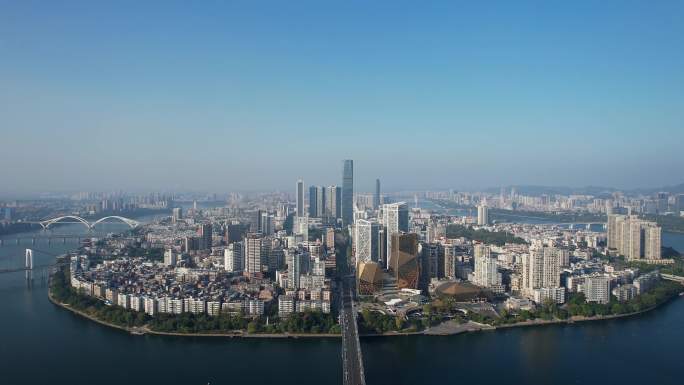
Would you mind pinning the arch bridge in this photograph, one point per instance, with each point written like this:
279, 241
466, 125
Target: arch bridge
76, 219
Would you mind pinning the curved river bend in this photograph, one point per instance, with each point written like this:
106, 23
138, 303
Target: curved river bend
41, 343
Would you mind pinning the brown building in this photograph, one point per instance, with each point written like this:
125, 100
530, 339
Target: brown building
369, 278
405, 264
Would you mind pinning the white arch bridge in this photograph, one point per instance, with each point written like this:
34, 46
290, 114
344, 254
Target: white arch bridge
76, 219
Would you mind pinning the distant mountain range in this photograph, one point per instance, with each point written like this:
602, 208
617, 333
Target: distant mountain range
587, 190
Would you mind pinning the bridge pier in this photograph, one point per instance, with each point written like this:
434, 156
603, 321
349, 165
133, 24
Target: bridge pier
18, 241
29, 264
64, 240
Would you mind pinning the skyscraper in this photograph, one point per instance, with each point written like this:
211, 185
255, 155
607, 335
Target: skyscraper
376, 197
256, 253
405, 260
362, 241
232, 257
348, 192
369, 278
395, 219
313, 201
486, 273
177, 214
333, 204
541, 269
205, 233
317, 202
482, 215
300, 198
633, 237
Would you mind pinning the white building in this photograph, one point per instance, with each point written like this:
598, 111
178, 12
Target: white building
482, 215
233, 260
597, 289
362, 241
253, 307
540, 269
395, 219
170, 258
286, 305
213, 308
486, 273
151, 306
556, 294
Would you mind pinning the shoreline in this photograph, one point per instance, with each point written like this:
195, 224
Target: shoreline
243, 334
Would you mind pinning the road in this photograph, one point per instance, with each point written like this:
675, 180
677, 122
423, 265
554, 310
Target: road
352, 359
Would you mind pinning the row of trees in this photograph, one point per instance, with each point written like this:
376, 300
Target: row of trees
307, 322
578, 306
498, 238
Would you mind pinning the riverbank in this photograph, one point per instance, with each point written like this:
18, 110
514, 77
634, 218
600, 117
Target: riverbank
444, 329
145, 330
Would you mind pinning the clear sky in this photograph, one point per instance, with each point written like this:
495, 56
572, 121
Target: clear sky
224, 96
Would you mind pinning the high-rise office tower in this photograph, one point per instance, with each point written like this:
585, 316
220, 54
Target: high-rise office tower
317, 202
266, 226
320, 202
369, 278
300, 198
433, 261
177, 214
301, 227
313, 201
348, 193
395, 219
482, 215
205, 234
376, 197
333, 205
405, 262
362, 241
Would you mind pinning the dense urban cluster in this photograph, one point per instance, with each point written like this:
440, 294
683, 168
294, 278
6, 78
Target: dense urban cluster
269, 256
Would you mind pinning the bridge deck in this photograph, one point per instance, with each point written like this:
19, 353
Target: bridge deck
352, 359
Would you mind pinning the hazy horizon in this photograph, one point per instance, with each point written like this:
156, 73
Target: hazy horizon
243, 96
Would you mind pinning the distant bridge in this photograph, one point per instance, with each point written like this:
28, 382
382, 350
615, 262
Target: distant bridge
29, 266
89, 225
576, 226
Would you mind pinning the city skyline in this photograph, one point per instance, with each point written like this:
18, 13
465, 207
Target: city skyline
425, 97
341, 192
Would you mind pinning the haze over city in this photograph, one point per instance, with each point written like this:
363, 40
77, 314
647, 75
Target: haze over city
252, 95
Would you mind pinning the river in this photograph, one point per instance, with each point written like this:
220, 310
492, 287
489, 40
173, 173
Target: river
41, 343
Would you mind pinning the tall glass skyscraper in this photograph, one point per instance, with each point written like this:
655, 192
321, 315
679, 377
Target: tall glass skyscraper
300, 198
348, 192
376, 197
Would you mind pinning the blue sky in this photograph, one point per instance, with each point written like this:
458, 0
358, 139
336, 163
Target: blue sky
226, 96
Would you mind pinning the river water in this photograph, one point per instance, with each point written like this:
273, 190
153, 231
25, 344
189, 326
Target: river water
41, 343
